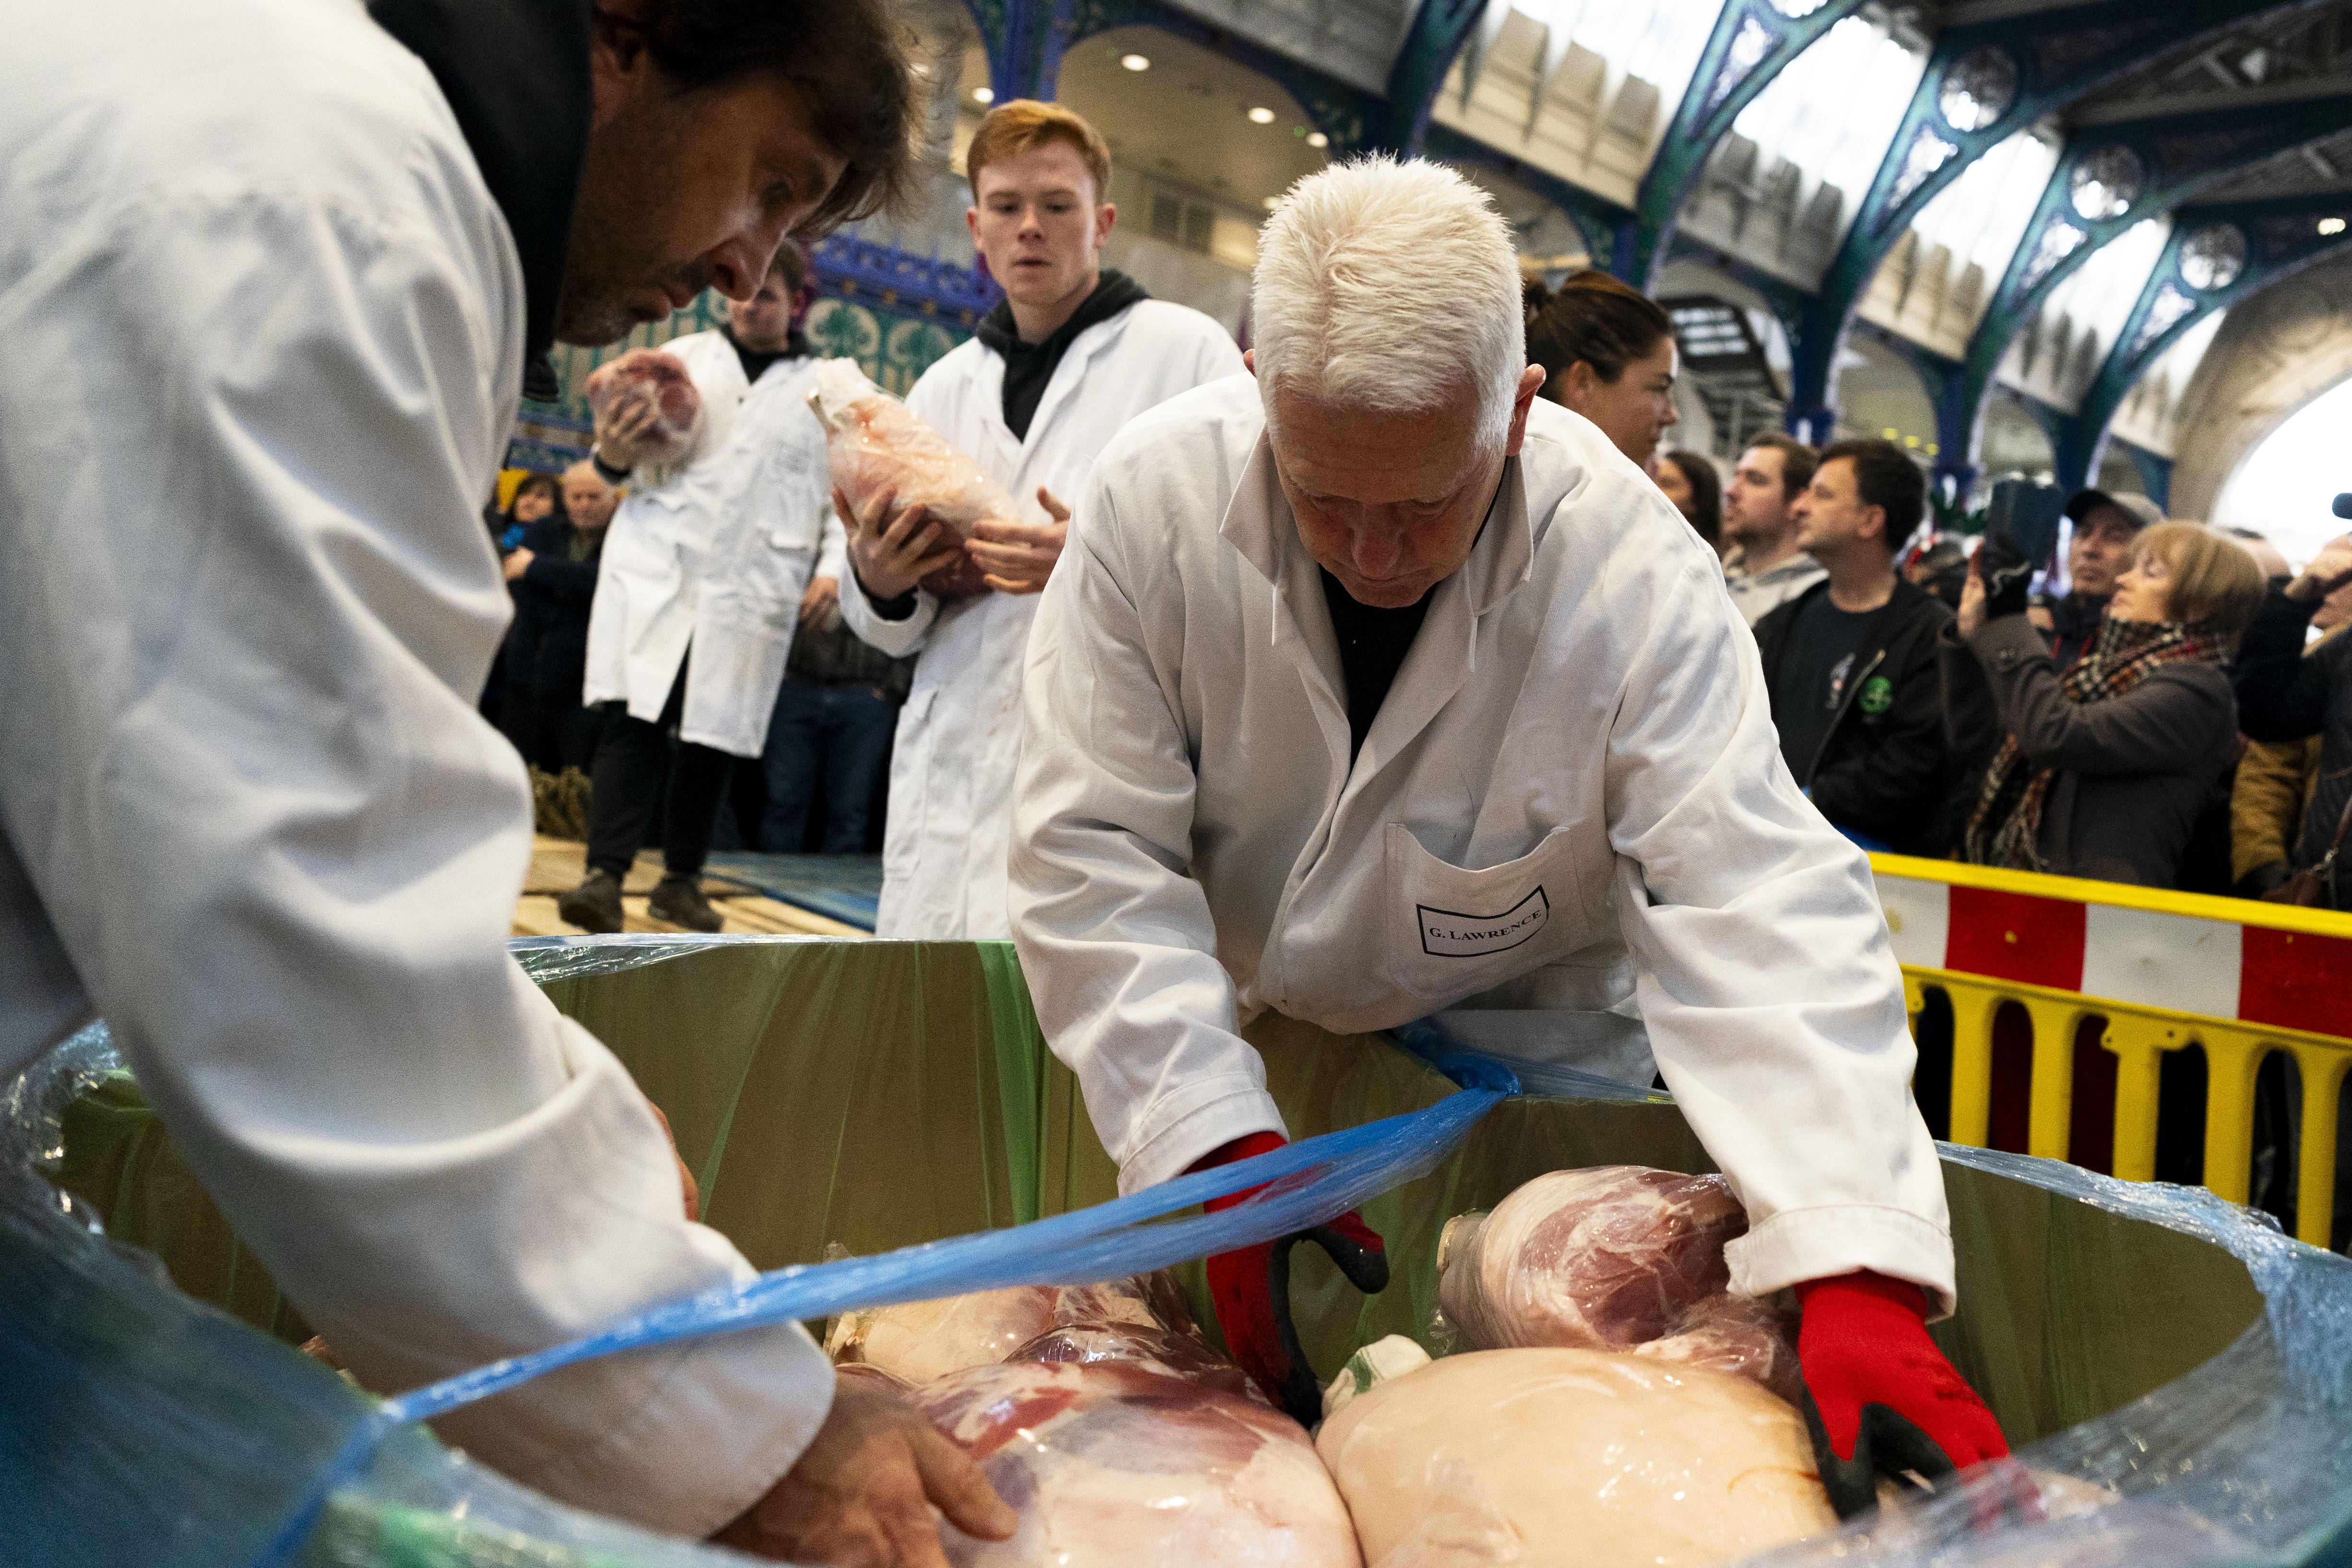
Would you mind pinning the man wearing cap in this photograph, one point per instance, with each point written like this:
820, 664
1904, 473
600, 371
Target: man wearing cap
2103, 528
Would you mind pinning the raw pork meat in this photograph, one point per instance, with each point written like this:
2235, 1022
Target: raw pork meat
1570, 1456
1738, 1334
1614, 1258
872, 441
1136, 1464
651, 373
924, 1340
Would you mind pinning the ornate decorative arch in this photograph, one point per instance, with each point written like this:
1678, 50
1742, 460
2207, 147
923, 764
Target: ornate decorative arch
2275, 353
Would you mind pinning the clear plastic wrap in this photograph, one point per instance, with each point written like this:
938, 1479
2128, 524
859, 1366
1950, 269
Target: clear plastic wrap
920, 1341
550, 958
1748, 1337
1616, 1257
662, 380
874, 442
1116, 1462
1571, 1456
137, 1427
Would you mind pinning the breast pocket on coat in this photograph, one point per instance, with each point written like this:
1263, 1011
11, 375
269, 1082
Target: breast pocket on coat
1451, 932
782, 561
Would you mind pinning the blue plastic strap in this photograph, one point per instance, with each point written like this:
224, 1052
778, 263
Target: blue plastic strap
1429, 1040
1304, 1184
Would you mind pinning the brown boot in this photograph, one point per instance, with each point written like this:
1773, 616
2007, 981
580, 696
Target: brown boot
594, 905
680, 901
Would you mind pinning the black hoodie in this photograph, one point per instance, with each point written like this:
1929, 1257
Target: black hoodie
1029, 367
1886, 767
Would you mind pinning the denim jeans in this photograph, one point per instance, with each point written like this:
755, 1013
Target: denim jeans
825, 742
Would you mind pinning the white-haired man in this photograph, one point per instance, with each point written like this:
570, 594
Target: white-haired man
1377, 688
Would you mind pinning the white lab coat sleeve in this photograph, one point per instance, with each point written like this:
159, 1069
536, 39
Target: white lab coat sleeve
248, 607
897, 638
1115, 938
833, 552
1767, 978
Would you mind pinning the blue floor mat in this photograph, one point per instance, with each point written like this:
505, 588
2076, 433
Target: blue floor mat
846, 888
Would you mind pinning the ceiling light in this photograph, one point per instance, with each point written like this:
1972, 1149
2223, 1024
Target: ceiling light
982, 95
1135, 62
1262, 115
2331, 225
1317, 139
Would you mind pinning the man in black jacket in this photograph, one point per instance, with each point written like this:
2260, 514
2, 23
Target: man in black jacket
1851, 662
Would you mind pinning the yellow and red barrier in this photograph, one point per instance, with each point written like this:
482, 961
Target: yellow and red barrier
2164, 972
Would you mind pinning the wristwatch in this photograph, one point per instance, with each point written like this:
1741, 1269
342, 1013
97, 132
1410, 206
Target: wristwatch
606, 471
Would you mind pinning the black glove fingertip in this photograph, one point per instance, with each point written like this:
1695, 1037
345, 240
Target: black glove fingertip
1885, 1444
1365, 1269
1852, 1489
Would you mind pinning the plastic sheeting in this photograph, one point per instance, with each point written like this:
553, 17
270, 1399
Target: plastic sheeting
147, 1418
137, 1425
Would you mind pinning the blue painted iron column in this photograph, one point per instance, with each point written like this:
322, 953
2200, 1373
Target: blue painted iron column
2115, 175
1985, 82
2218, 254
1753, 42
1433, 41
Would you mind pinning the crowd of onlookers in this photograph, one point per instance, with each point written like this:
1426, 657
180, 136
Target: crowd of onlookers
2159, 715
819, 784
2167, 705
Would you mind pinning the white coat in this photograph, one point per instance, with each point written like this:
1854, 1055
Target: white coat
960, 731
708, 563
1572, 796
265, 330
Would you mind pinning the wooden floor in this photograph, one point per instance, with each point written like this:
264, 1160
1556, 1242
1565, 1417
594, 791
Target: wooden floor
556, 867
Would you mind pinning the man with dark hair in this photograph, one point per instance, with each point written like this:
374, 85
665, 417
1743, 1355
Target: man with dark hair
2098, 547
1766, 568
1851, 662
271, 274
696, 606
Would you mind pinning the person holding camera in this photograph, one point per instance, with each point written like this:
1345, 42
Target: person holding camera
2107, 764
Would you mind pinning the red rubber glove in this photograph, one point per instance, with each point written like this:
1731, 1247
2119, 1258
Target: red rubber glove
1880, 1398
1250, 1288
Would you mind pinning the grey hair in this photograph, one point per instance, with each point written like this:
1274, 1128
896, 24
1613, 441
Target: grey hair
1390, 286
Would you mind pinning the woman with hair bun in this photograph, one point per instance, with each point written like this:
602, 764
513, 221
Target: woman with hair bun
1608, 353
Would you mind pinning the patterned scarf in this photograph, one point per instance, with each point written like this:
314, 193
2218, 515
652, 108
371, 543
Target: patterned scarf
2007, 822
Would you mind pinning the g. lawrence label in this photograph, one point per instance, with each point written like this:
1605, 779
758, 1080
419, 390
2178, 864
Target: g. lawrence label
1449, 934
